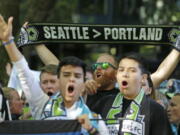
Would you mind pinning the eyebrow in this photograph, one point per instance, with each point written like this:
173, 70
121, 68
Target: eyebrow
68, 72
65, 72
127, 67
132, 67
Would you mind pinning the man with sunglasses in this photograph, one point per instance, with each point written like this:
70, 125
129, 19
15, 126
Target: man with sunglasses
104, 80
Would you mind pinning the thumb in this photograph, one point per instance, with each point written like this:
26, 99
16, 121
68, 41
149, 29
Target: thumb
80, 120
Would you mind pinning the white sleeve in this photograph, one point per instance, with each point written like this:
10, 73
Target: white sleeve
30, 86
102, 128
14, 81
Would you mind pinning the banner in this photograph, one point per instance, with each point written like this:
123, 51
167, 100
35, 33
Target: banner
37, 127
98, 34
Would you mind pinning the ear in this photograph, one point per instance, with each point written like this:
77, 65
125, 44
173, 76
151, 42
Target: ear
115, 74
144, 78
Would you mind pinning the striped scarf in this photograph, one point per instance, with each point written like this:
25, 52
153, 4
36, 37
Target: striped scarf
55, 109
131, 115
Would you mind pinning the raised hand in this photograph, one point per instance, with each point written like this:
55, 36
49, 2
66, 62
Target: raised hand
91, 87
84, 121
86, 124
5, 29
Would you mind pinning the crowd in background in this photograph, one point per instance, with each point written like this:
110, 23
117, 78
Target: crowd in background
31, 94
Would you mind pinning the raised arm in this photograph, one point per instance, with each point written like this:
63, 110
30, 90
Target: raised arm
7, 39
30, 85
166, 68
46, 55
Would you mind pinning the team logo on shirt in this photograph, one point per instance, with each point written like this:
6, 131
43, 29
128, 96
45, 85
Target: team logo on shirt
134, 127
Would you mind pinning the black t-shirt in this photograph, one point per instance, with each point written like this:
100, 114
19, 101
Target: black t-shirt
126, 104
155, 117
94, 100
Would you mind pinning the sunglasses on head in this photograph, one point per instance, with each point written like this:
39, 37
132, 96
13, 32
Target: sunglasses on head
103, 65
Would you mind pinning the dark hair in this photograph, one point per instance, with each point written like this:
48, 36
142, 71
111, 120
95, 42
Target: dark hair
138, 58
150, 83
52, 69
89, 69
71, 60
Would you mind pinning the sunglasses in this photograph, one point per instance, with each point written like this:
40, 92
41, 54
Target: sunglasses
103, 65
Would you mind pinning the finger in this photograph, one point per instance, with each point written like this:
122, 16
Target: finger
89, 88
94, 89
2, 22
25, 25
98, 85
2, 19
94, 86
80, 120
10, 20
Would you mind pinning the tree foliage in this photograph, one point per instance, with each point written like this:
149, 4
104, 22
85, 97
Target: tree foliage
89, 11
8, 8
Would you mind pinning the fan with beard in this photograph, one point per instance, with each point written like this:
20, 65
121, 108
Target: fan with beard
104, 80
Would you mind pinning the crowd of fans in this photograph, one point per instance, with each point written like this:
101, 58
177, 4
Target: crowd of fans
145, 103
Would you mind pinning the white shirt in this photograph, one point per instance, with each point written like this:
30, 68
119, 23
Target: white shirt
31, 88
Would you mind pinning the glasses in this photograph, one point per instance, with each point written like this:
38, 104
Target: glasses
103, 65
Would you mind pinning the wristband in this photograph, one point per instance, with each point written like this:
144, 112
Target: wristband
93, 131
11, 40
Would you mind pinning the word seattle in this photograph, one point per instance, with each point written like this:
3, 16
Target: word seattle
105, 33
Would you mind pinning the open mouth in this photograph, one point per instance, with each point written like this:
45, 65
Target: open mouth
124, 83
71, 89
49, 93
98, 75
